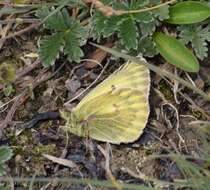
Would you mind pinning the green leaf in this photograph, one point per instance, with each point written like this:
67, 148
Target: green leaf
54, 22
70, 3
198, 36
137, 4
147, 47
175, 52
162, 13
75, 27
50, 47
8, 90
188, 12
149, 28
2, 186
14, 10
68, 34
2, 169
98, 24
128, 34
72, 48
5, 154
110, 26
145, 17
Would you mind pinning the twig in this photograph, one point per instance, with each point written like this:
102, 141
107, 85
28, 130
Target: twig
190, 101
18, 101
120, 12
27, 69
156, 69
109, 11
4, 32
32, 26
109, 174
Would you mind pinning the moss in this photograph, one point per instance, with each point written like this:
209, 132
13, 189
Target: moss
7, 73
25, 146
197, 114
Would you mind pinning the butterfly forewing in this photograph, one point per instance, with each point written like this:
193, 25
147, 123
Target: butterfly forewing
131, 75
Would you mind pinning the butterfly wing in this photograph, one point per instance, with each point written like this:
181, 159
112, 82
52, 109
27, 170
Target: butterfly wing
117, 110
122, 119
131, 75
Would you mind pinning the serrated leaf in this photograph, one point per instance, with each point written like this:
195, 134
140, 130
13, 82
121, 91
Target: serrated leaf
70, 3
200, 47
162, 13
138, 4
5, 154
128, 34
72, 48
147, 47
149, 28
75, 27
54, 22
98, 24
8, 90
50, 47
198, 38
110, 26
2, 169
175, 52
188, 12
145, 17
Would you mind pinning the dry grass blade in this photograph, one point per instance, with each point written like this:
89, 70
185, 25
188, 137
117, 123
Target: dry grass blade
61, 161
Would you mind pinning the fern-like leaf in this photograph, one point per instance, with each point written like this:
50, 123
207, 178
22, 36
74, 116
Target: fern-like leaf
72, 48
50, 47
54, 22
162, 13
68, 35
128, 34
147, 47
198, 36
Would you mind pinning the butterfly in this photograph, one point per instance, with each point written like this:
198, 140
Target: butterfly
115, 111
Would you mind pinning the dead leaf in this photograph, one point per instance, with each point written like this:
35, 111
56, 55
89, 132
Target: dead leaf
98, 55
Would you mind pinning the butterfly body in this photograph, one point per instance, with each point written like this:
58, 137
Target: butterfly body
117, 110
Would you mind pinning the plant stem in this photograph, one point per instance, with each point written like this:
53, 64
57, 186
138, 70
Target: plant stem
120, 12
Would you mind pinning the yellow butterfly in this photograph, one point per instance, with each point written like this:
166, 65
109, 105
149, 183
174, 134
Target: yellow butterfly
116, 110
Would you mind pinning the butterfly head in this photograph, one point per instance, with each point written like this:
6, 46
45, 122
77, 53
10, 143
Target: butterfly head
72, 123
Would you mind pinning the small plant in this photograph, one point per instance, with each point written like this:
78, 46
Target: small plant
131, 24
5, 155
68, 35
197, 35
131, 28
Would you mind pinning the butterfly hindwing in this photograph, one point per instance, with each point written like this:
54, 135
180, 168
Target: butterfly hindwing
122, 120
